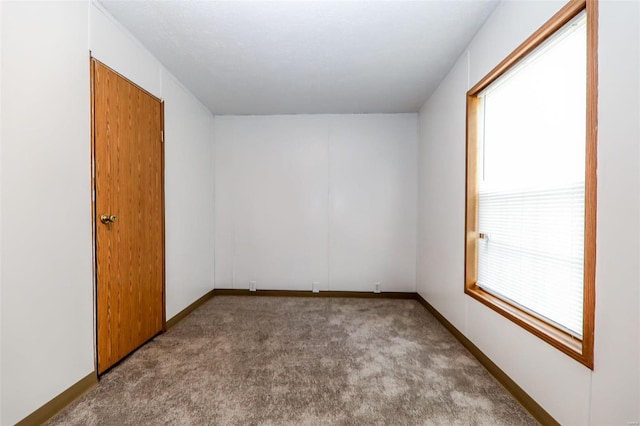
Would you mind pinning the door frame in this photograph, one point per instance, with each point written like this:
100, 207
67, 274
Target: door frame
94, 224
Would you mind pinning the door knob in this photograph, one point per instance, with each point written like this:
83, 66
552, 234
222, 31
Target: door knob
105, 218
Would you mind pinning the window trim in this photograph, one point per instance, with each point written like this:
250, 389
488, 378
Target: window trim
580, 350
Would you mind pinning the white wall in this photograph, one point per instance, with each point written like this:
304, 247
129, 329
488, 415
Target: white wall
110, 43
327, 198
615, 387
567, 390
188, 197
47, 284
47, 318
1, 213
271, 193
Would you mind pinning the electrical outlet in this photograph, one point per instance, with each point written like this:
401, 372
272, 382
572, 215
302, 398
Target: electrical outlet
315, 287
252, 286
377, 287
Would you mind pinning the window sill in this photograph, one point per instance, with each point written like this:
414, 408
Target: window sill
559, 339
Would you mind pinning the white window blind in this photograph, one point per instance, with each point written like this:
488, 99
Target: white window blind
531, 183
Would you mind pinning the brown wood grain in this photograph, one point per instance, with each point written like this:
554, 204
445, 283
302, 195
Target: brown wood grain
564, 15
471, 203
128, 161
591, 186
580, 350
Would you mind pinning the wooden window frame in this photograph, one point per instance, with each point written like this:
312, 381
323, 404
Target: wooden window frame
580, 350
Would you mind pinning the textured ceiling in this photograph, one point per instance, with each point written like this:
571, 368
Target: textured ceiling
284, 57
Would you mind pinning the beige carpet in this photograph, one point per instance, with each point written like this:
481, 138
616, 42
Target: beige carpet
300, 361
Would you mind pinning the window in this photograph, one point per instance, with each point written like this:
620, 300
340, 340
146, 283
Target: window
531, 183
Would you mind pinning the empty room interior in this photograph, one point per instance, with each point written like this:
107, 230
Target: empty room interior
320, 212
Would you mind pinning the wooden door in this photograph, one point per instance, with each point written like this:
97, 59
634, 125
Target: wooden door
128, 161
